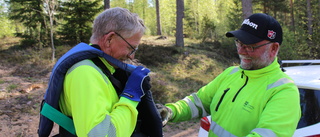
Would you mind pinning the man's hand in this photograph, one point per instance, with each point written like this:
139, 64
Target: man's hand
137, 83
165, 113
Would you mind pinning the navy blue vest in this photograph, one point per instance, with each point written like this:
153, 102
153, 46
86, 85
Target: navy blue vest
151, 123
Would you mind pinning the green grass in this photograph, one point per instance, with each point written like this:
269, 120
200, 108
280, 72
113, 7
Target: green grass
2, 81
29, 61
11, 87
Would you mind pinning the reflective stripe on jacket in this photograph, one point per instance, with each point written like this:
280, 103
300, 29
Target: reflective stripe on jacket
91, 100
262, 102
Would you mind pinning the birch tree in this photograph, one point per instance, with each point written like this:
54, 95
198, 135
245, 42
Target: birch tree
50, 7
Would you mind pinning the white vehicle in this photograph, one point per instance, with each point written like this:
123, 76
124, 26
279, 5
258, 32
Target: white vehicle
307, 78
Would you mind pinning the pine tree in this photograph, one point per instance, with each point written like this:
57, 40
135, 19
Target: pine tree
31, 14
78, 16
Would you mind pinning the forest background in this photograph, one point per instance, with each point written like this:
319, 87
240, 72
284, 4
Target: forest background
52, 23
184, 46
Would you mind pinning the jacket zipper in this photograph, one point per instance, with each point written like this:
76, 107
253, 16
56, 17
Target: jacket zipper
234, 98
225, 91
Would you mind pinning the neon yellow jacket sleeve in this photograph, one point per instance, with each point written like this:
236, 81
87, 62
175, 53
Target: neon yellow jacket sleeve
249, 103
91, 100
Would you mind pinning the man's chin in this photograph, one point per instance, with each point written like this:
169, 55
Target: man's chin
245, 65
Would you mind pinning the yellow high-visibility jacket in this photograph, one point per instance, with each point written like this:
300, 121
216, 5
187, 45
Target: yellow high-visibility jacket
91, 100
251, 103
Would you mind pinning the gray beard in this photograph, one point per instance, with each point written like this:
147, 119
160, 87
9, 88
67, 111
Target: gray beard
257, 63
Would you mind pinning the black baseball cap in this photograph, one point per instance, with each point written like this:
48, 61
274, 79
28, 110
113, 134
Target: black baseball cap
258, 27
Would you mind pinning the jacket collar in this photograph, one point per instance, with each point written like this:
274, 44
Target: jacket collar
274, 66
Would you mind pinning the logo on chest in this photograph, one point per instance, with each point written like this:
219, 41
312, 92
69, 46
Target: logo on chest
247, 107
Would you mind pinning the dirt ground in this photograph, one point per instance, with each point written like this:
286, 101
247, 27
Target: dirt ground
20, 99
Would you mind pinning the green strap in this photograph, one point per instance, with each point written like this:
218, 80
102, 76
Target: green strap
57, 117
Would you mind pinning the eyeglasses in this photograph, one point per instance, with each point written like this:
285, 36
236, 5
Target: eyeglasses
133, 49
248, 48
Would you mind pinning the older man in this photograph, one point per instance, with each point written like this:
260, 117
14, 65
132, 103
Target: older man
96, 101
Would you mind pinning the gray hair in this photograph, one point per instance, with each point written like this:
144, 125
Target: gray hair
118, 20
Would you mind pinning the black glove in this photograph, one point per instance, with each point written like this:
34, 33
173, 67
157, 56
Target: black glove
146, 84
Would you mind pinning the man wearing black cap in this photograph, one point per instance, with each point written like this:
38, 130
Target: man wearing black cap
254, 99
259, 35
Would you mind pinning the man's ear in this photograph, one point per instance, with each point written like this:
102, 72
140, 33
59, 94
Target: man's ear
274, 48
106, 39
105, 42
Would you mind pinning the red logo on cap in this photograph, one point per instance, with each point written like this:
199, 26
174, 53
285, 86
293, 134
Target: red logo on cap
271, 34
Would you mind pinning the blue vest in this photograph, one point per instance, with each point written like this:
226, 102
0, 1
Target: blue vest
151, 124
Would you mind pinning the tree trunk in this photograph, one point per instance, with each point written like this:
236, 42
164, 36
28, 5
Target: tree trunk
292, 16
246, 8
179, 23
309, 15
106, 4
51, 7
318, 13
159, 32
